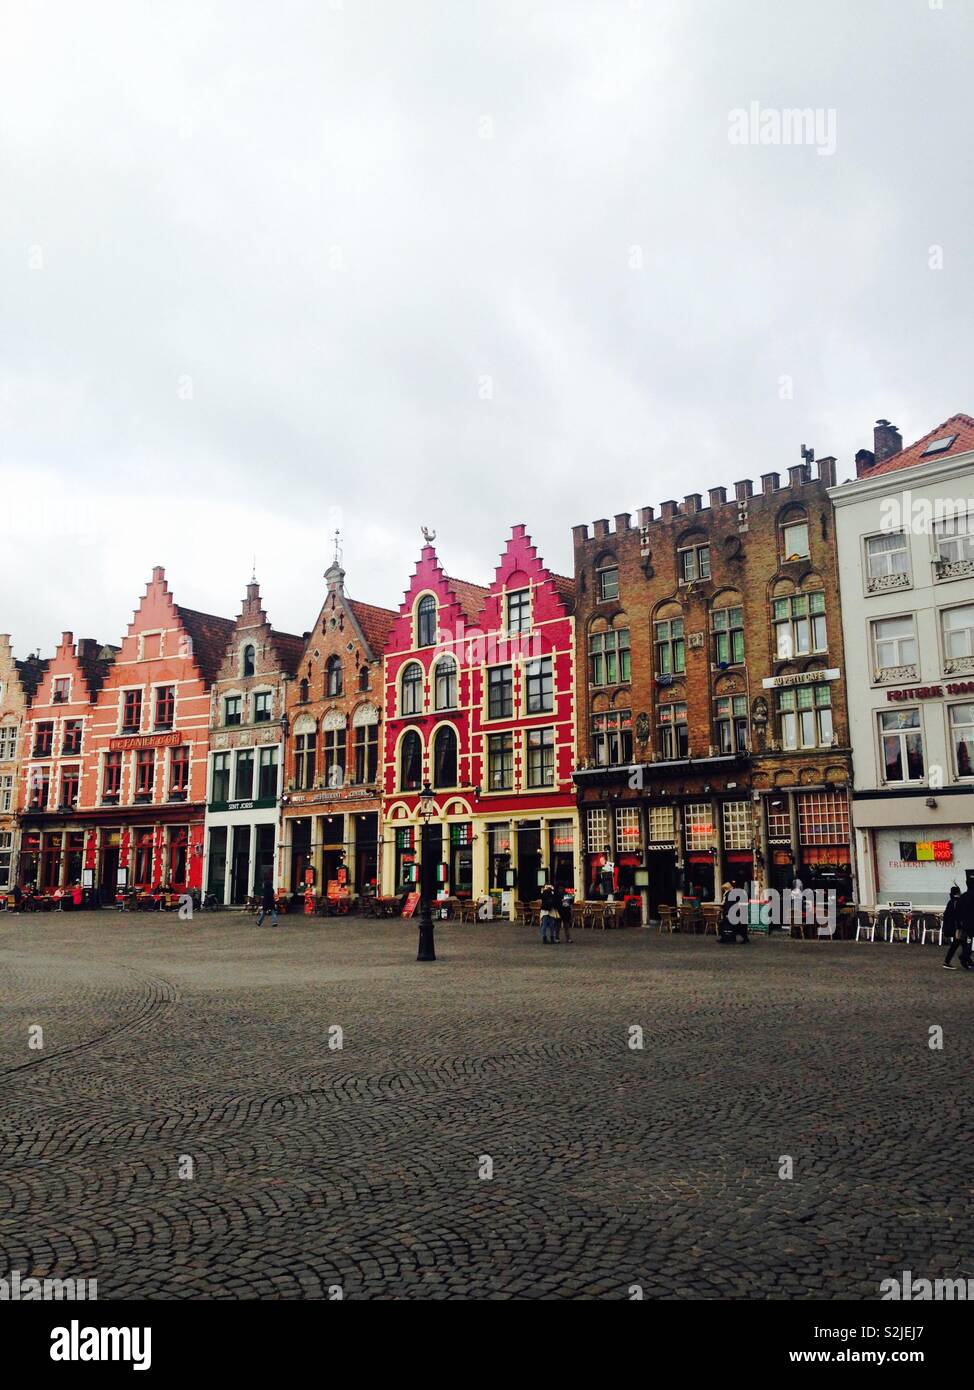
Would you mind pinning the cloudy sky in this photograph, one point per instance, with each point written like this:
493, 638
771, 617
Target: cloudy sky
269, 268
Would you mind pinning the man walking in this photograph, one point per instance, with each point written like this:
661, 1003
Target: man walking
549, 921
959, 927
268, 903
567, 900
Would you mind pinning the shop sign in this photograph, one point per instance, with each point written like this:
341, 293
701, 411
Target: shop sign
661, 844
800, 678
129, 742
932, 692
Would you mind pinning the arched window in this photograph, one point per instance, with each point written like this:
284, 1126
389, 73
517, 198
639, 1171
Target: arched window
793, 534
426, 621
333, 676
446, 683
410, 762
247, 668
303, 688
363, 678
412, 689
445, 757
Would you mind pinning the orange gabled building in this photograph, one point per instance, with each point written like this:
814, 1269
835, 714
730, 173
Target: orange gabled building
141, 796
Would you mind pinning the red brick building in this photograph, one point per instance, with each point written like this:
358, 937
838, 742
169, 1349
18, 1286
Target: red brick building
134, 795
332, 799
712, 727
480, 701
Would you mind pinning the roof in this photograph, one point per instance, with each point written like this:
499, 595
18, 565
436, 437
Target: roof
290, 650
31, 673
565, 589
376, 623
960, 425
470, 596
210, 636
95, 667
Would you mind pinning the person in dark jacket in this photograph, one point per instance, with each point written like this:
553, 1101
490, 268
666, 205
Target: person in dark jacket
566, 901
959, 927
549, 918
268, 903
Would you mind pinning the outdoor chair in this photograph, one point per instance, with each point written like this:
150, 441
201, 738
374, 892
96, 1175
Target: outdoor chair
690, 918
928, 924
711, 918
865, 926
668, 919
895, 925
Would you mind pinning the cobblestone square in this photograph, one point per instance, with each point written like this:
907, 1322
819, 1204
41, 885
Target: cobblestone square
317, 1167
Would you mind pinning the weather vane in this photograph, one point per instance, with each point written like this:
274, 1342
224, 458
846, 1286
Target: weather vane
338, 546
428, 536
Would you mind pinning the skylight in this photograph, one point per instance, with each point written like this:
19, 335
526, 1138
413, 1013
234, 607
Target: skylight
939, 446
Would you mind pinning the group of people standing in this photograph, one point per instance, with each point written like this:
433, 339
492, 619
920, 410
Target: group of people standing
556, 915
959, 927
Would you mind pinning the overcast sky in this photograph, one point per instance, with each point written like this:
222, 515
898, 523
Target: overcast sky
461, 263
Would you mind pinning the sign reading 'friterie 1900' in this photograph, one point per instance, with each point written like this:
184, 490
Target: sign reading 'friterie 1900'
932, 692
126, 743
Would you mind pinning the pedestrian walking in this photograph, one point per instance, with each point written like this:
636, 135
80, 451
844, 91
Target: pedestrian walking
268, 903
958, 919
729, 931
565, 913
549, 919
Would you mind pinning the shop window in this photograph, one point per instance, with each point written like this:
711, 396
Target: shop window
144, 846
962, 739
823, 818
500, 762
629, 834
412, 689
730, 723
737, 827
673, 731
541, 758
901, 741
597, 830
662, 825
698, 825
805, 716
799, 625
727, 636
670, 646
539, 681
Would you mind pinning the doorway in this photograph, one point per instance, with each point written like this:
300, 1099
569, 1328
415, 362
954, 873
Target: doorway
240, 875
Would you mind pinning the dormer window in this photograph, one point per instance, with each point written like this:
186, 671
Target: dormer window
248, 661
426, 621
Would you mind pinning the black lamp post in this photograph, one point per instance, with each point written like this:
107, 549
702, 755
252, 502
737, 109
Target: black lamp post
426, 809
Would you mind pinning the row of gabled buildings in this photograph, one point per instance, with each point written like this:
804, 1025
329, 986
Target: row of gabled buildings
769, 683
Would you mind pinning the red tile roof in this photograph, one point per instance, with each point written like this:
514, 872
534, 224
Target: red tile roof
290, 650
470, 596
565, 589
376, 624
210, 636
960, 425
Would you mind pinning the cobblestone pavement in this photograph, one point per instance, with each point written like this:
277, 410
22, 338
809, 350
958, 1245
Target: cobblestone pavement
359, 1167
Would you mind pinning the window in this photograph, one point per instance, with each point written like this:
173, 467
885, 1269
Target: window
698, 825
232, 709
6, 792
737, 825
335, 755
267, 774
805, 715
145, 773
39, 788
143, 857
962, 738
221, 777
262, 707
165, 706
446, 683
70, 779
500, 762
779, 819
597, 830
894, 644
410, 762
243, 781
445, 758
957, 625
612, 737
608, 582
500, 692
363, 678
730, 722
540, 686
727, 627
366, 752
71, 740
61, 690
43, 739
179, 773
426, 621
662, 825
629, 831
608, 655
111, 777
887, 560
304, 760
541, 757
954, 539
794, 540
519, 611
823, 818
6, 852
334, 677
8, 743
247, 666
799, 625
674, 730
412, 689
131, 711
303, 691
671, 657
694, 563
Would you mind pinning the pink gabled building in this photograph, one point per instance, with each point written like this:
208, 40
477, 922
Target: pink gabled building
479, 701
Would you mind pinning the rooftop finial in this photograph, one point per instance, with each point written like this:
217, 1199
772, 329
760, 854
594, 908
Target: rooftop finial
428, 536
338, 546
253, 571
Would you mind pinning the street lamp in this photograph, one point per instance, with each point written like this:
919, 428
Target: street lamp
426, 809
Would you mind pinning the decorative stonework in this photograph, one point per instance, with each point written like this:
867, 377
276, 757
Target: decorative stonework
953, 569
959, 665
893, 675
886, 583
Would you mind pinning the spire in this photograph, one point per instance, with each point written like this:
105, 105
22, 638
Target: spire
334, 574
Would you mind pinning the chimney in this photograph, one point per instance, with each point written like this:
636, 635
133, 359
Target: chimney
769, 482
743, 490
718, 496
66, 639
580, 534
667, 510
864, 461
691, 503
158, 574
887, 440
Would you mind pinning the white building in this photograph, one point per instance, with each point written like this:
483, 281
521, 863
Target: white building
905, 536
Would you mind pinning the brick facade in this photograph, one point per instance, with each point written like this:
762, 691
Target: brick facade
18, 682
716, 755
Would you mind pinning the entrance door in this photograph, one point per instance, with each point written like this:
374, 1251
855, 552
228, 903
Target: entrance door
240, 876
109, 866
264, 867
216, 880
662, 880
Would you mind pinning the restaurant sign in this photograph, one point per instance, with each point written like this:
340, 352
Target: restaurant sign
932, 692
129, 742
800, 678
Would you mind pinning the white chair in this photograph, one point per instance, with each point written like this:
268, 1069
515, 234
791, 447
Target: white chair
865, 926
896, 927
929, 924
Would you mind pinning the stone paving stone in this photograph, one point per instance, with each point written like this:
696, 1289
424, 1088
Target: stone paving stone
358, 1167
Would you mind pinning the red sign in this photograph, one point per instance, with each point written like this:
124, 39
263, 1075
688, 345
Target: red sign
410, 905
131, 741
